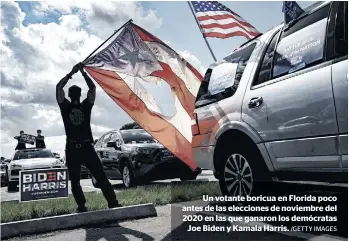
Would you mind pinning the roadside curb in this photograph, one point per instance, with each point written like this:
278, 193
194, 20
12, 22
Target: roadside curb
191, 181
49, 224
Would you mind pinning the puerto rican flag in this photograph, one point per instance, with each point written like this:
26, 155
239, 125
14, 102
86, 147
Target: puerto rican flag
216, 20
153, 84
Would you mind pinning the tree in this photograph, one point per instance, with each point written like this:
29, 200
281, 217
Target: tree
132, 125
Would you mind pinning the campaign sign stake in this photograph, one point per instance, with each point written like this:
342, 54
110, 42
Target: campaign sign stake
42, 184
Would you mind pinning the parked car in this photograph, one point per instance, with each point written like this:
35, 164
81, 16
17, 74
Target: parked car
84, 172
29, 159
276, 109
135, 157
3, 173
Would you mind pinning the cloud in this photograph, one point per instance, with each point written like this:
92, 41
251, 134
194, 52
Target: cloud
103, 17
192, 59
37, 55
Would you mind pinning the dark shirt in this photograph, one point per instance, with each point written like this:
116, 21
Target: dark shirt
40, 142
20, 145
76, 119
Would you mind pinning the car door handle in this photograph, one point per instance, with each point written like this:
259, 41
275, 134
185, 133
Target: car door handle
255, 102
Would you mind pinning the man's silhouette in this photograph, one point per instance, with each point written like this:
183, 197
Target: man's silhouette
20, 145
40, 140
79, 147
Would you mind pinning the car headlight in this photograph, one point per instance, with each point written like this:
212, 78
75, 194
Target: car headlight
144, 150
15, 165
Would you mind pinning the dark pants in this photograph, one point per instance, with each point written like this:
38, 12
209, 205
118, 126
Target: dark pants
87, 156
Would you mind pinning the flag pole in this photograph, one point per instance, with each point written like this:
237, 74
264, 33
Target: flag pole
209, 47
115, 32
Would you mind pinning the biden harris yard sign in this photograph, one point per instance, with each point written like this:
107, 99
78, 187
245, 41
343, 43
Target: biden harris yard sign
43, 184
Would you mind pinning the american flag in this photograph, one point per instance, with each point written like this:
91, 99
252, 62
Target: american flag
216, 20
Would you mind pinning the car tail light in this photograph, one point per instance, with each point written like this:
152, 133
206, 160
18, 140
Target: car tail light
194, 126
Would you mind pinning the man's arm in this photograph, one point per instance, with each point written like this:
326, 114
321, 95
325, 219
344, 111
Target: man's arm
60, 95
91, 94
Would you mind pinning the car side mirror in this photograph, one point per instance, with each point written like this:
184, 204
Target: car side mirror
57, 156
111, 144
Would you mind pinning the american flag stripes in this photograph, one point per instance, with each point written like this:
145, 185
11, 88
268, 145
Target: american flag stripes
216, 20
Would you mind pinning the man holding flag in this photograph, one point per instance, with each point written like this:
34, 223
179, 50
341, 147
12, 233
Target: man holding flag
129, 69
79, 147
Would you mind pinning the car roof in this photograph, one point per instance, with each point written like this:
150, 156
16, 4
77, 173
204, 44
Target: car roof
308, 10
132, 130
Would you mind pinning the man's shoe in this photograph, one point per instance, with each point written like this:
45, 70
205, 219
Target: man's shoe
115, 205
81, 209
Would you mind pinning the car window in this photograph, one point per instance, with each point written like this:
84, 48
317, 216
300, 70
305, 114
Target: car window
106, 140
114, 137
133, 137
32, 154
265, 67
99, 142
222, 80
341, 30
302, 45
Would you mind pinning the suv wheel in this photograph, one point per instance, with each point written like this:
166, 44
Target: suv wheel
94, 182
128, 178
243, 172
11, 186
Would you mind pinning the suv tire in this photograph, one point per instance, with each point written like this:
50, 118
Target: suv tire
128, 178
12, 186
94, 182
242, 171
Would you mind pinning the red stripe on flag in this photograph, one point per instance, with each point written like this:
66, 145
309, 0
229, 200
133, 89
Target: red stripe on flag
177, 84
146, 36
226, 26
159, 128
221, 35
224, 16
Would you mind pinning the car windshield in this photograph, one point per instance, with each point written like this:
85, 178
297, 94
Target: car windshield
137, 137
33, 154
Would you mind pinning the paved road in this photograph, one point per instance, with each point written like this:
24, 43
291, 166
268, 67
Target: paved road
87, 186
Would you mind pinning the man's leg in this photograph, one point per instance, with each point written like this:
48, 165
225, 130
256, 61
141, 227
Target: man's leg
95, 166
73, 164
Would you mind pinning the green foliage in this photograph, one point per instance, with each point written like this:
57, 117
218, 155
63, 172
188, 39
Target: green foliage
132, 125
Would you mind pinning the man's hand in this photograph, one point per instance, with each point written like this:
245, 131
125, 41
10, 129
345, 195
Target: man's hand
76, 68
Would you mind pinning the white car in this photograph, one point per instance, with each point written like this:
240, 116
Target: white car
29, 159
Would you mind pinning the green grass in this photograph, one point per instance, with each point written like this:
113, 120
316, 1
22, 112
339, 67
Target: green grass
159, 194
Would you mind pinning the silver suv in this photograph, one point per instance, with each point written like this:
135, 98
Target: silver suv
277, 107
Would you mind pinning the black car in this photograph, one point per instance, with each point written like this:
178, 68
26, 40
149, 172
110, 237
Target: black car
84, 172
3, 173
135, 157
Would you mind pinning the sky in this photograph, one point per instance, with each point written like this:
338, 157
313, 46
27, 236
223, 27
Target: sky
42, 41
